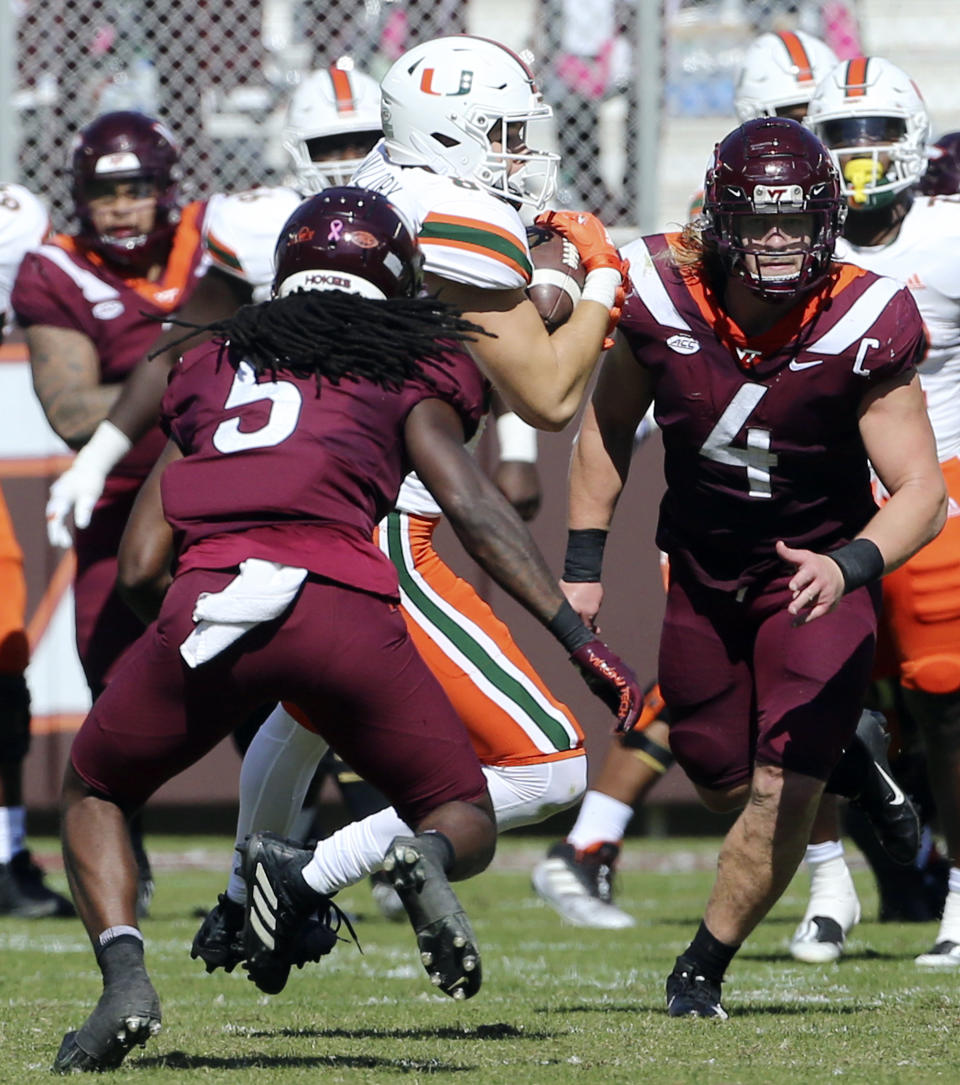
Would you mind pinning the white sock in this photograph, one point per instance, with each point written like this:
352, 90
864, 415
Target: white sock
821, 853
13, 831
353, 851
950, 923
276, 772
602, 820
832, 893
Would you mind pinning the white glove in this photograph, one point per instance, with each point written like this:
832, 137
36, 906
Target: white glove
79, 487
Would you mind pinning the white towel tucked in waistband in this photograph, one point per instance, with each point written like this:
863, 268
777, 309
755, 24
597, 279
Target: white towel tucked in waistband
259, 592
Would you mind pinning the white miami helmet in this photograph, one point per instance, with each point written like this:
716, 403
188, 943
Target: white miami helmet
873, 120
445, 101
332, 122
780, 72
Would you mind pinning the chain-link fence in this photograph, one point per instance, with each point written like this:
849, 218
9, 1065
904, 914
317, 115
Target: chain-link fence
642, 88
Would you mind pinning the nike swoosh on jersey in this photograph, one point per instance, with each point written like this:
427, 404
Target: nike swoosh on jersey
798, 366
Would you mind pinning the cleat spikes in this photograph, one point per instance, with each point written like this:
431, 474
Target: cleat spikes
426, 958
469, 964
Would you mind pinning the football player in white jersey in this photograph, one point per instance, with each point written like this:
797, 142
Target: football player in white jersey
23, 224
873, 119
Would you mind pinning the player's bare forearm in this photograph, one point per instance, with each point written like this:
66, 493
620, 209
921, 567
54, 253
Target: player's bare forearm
498, 541
539, 376
66, 377
908, 469
137, 407
74, 415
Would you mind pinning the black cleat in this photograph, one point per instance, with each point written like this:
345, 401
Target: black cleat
891, 813
448, 947
219, 942
692, 995
24, 893
126, 1016
281, 928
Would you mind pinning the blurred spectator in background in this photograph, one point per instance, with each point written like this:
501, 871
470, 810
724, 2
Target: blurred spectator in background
590, 56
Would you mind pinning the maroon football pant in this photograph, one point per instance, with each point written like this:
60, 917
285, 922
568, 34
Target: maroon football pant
744, 684
344, 657
106, 627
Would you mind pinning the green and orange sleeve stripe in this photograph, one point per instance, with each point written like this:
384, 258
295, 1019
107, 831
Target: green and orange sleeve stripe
476, 236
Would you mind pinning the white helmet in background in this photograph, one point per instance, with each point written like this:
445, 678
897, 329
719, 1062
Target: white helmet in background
780, 72
873, 120
445, 101
333, 120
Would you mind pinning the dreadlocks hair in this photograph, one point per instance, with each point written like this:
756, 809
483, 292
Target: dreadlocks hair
337, 335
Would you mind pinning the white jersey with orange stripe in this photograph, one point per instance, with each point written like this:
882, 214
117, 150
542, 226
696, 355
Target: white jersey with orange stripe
466, 235
924, 257
24, 223
241, 231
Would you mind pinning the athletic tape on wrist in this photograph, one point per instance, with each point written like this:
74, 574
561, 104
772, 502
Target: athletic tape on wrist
601, 285
105, 449
517, 439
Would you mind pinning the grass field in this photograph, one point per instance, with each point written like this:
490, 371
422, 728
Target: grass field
559, 1004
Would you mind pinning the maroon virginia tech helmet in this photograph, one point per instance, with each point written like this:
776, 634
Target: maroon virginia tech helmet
773, 166
942, 177
348, 239
126, 146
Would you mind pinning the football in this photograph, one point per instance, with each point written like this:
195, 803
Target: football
558, 275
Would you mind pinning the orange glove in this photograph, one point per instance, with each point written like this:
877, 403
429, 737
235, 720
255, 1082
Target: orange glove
587, 233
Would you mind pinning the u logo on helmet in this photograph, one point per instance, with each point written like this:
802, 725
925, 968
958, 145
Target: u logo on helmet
464, 87
305, 234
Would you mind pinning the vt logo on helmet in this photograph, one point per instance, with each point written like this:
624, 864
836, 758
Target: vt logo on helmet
460, 107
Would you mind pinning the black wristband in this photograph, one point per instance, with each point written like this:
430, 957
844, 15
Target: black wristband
584, 557
860, 562
567, 626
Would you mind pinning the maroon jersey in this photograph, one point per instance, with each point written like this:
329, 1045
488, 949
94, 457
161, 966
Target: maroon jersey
761, 434
66, 285
274, 470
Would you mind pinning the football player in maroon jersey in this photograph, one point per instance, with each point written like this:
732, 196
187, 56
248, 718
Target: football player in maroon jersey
775, 373
290, 434
89, 302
